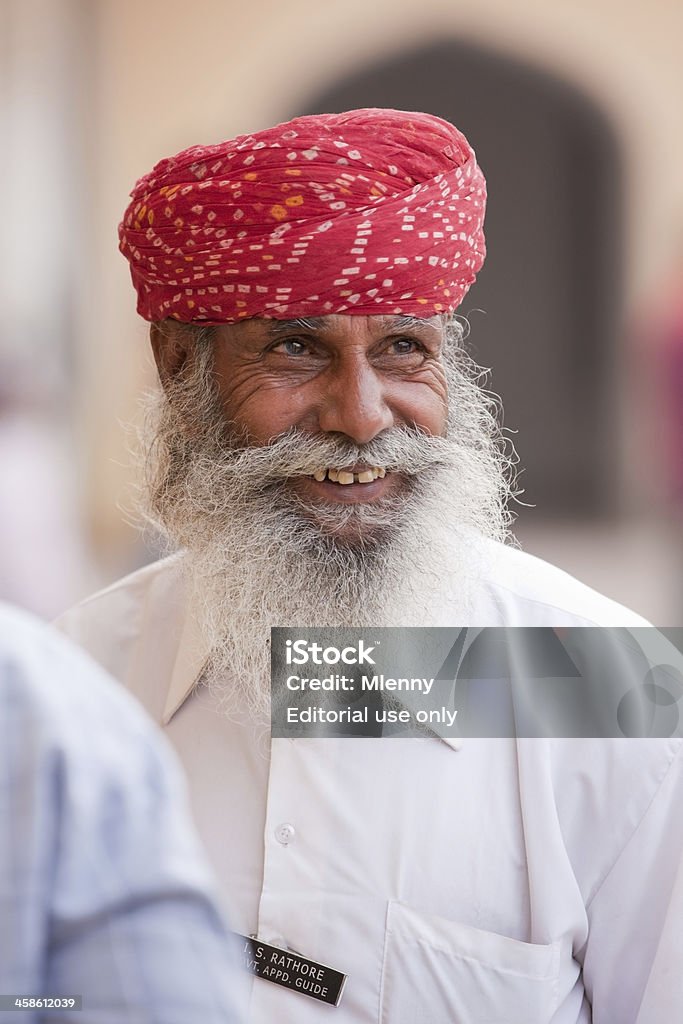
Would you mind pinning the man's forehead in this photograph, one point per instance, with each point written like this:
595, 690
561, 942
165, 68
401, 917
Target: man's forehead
333, 323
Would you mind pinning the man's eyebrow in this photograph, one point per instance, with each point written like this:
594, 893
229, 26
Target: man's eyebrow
311, 323
410, 323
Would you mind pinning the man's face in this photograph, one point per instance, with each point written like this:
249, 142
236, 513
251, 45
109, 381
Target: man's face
252, 419
349, 376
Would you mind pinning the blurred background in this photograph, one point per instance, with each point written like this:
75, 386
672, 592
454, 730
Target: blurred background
574, 110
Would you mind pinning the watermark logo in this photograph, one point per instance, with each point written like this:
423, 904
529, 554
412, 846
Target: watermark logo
300, 652
651, 709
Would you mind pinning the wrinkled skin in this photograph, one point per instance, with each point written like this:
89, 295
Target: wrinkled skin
352, 376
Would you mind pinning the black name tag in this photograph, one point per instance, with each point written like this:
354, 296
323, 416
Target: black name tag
283, 967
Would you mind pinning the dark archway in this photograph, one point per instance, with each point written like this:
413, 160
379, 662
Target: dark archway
551, 286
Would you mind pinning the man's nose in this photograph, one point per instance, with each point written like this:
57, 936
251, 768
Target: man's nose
354, 404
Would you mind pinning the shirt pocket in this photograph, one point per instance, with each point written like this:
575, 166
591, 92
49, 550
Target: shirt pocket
438, 971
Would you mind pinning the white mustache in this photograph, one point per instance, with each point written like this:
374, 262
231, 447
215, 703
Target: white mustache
406, 450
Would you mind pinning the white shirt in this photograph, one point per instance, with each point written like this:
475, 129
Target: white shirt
516, 881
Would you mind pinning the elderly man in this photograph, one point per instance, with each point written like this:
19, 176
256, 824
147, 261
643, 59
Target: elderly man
322, 454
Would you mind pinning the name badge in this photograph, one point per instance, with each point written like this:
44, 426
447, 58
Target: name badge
291, 970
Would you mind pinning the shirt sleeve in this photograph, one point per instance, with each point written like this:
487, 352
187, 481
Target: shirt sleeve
103, 889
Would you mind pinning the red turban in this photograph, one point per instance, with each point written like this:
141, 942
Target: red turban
368, 212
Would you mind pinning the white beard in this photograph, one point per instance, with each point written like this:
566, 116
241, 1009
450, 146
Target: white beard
257, 558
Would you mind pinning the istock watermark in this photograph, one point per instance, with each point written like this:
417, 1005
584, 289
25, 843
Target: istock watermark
462, 682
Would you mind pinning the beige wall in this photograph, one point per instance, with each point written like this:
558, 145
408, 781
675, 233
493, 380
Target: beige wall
172, 73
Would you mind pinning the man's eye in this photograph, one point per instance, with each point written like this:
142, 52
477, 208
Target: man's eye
405, 346
291, 347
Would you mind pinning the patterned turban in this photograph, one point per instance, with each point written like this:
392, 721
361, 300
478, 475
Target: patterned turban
368, 212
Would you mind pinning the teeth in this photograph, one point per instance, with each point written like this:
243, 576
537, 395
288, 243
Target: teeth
345, 477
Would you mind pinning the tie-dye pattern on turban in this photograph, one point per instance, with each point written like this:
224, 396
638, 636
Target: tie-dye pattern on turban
367, 212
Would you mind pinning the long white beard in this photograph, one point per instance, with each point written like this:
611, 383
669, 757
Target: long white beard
257, 557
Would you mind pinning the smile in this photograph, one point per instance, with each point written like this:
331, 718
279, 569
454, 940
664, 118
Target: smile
346, 477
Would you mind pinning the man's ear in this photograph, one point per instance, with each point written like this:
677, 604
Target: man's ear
171, 346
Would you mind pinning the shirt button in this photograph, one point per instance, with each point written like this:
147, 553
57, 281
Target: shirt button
285, 833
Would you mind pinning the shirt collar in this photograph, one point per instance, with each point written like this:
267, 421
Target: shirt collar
190, 661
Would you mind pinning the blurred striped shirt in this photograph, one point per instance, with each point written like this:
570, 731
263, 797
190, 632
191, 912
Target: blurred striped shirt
103, 890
